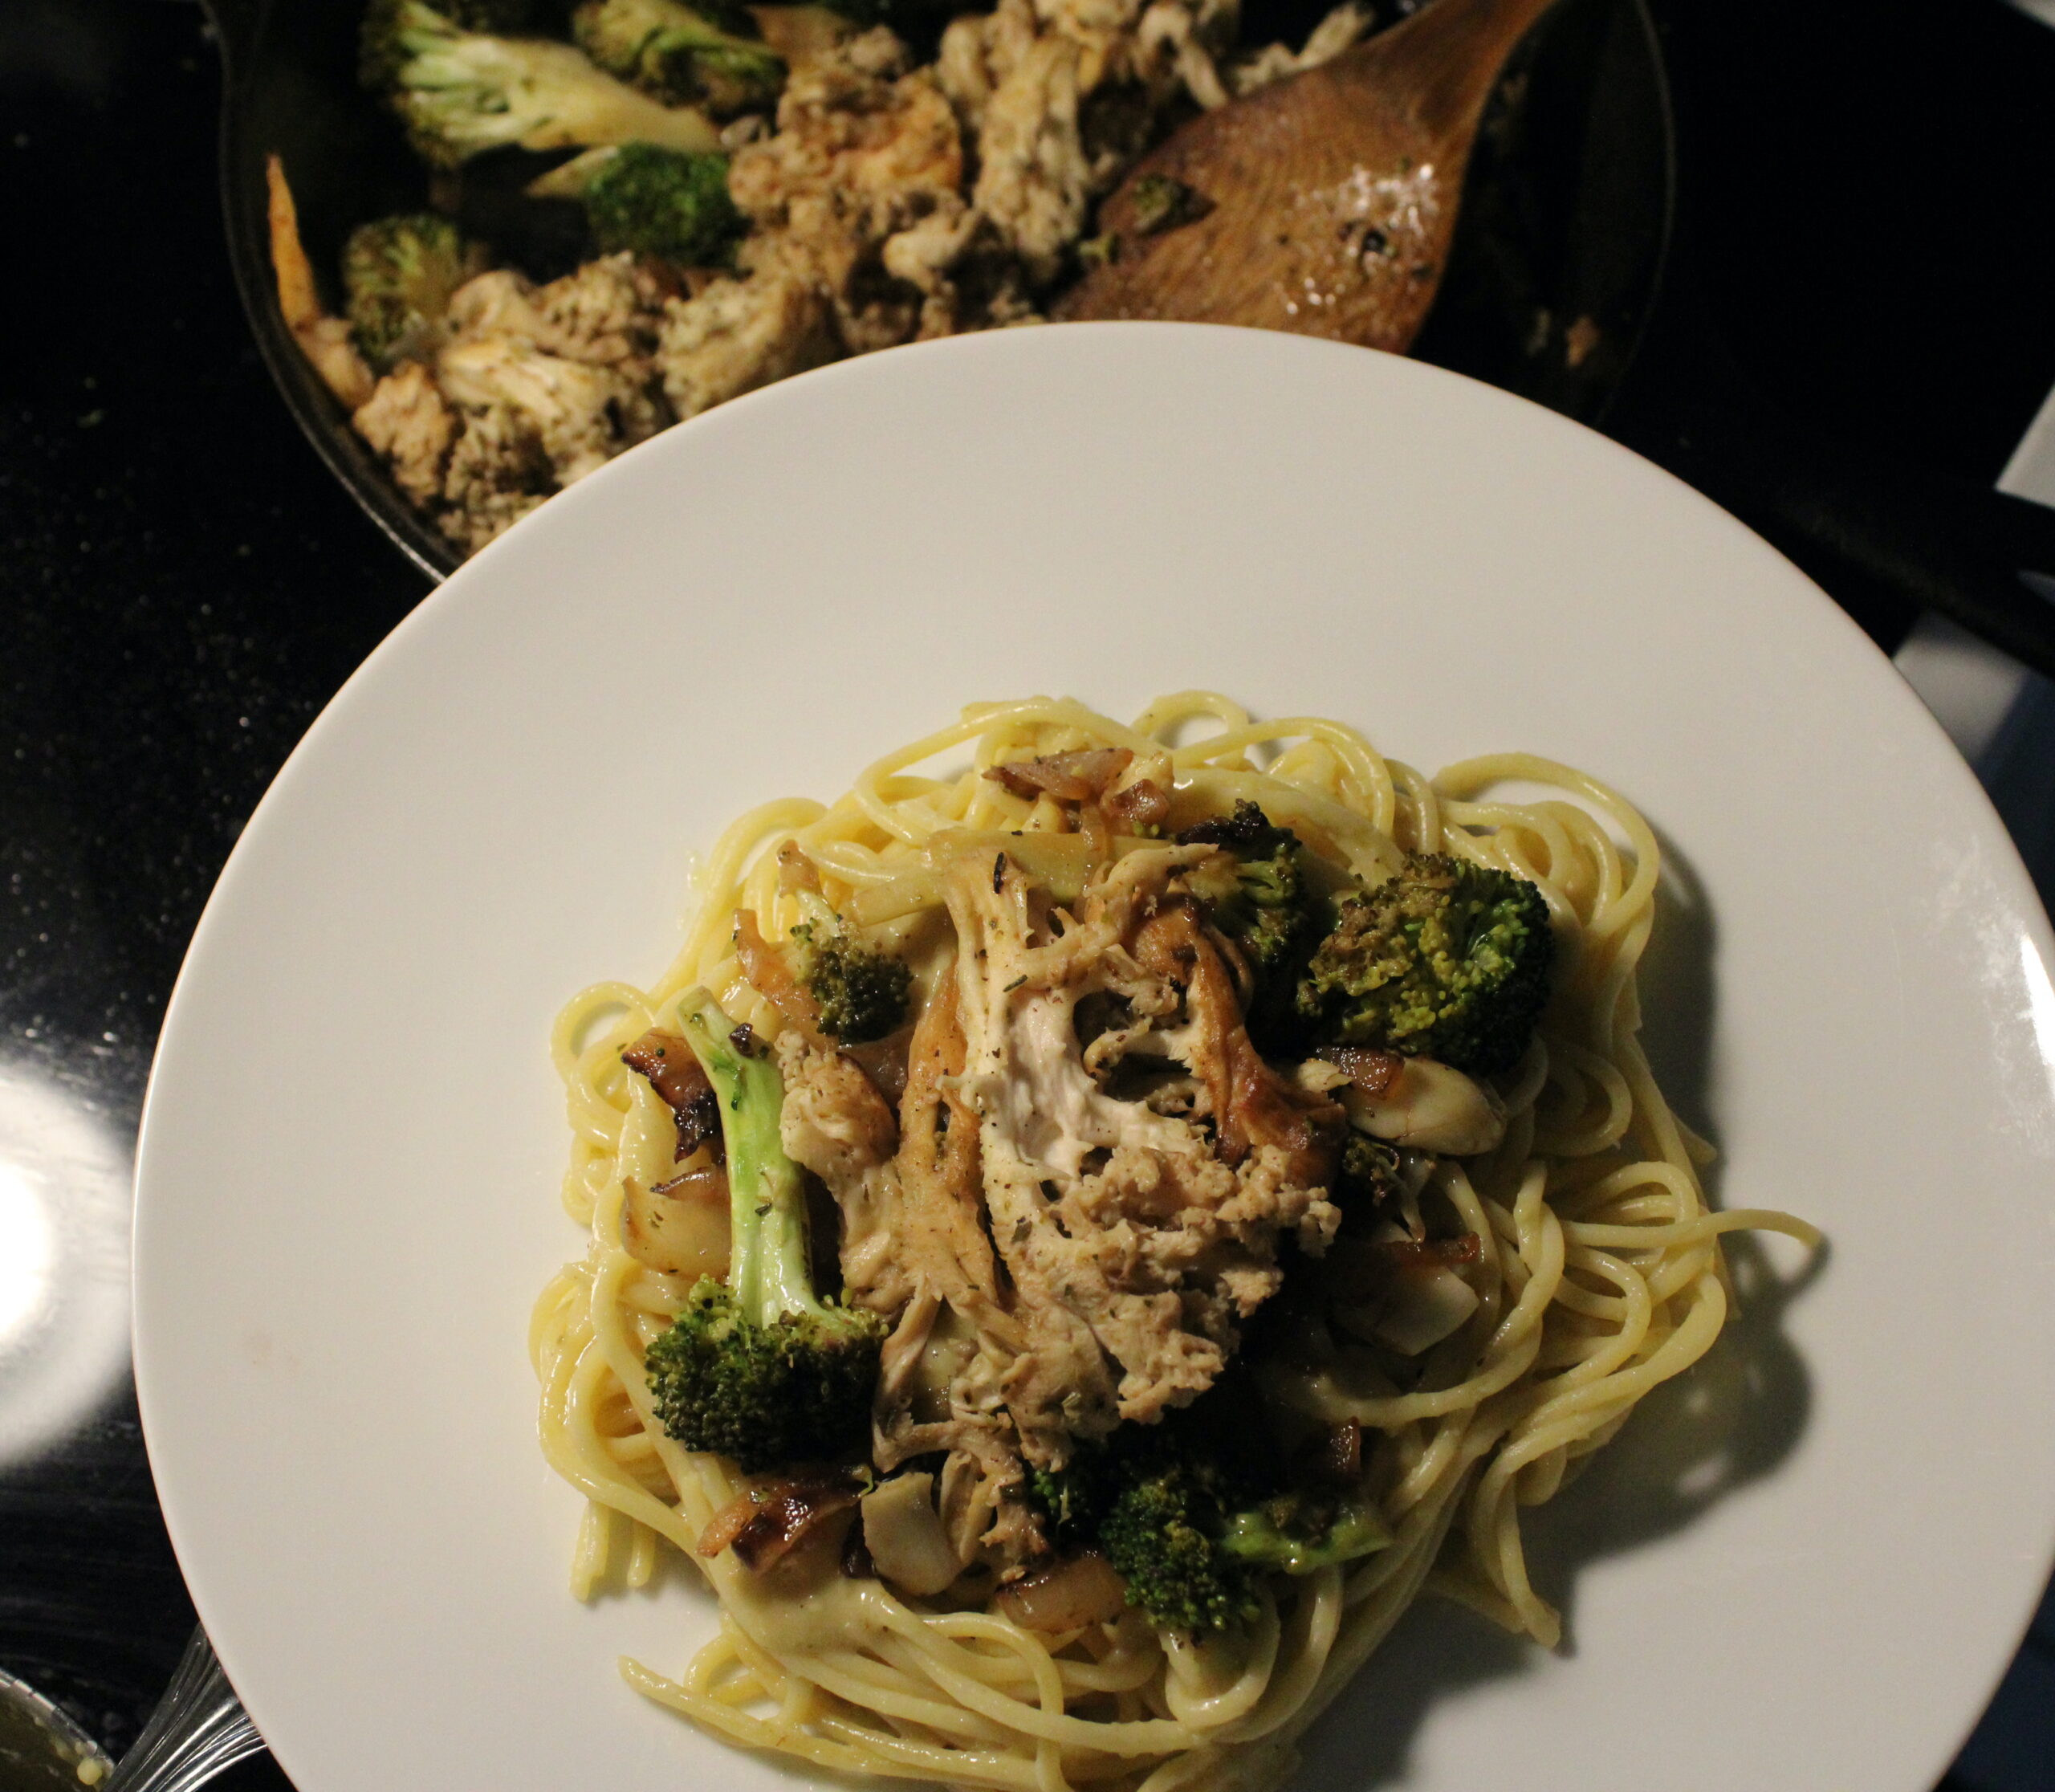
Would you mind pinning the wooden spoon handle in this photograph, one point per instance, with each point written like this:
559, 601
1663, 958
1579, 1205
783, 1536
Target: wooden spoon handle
1448, 57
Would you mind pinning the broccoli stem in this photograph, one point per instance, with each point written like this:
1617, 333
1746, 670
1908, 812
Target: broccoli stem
760, 1368
1355, 1529
770, 1271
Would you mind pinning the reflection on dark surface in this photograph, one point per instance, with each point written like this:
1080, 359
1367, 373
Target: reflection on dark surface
182, 586
64, 1206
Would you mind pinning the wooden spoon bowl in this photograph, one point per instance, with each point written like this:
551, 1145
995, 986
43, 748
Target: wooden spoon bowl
1323, 205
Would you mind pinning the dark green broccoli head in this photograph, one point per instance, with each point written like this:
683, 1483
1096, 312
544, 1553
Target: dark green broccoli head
861, 992
672, 204
1163, 1533
1071, 1497
1261, 899
1191, 1511
707, 54
795, 1390
398, 273
1447, 960
1156, 1500
1248, 833
1369, 1172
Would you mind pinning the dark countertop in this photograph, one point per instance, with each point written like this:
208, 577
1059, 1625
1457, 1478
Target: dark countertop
183, 587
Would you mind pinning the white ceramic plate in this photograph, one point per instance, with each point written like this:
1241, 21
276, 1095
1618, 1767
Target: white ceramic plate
1803, 1569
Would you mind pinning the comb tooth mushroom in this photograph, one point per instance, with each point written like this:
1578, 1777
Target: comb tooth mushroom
1428, 1106
905, 1535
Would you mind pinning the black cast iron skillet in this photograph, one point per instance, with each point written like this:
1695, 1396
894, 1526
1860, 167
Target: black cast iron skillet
1570, 283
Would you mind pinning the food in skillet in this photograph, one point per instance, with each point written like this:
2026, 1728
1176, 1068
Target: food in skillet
1077, 1244
757, 190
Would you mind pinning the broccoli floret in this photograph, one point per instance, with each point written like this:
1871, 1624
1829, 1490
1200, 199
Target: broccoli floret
1163, 1533
672, 203
860, 991
1264, 903
762, 1370
710, 54
1190, 1516
399, 273
1156, 1505
1369, 1173
1447, 960
464, 92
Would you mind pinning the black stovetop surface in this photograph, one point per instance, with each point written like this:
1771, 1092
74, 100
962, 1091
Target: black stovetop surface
183, 586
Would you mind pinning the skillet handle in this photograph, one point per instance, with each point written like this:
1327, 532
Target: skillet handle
1887, 536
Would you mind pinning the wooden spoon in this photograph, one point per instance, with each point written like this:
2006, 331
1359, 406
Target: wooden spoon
1323, 204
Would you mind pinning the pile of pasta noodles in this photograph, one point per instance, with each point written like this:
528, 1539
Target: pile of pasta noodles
1599, 1277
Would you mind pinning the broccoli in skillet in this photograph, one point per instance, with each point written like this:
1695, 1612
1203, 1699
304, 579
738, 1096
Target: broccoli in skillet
710, 53
672, 203
463, 92
762, 1369
1447, 960
1189, 1513
398, 273
860, 991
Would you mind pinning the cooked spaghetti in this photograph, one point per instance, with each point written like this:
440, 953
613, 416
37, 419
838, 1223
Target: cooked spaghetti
1148, 1147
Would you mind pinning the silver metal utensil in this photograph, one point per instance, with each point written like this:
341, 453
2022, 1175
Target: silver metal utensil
198, 1730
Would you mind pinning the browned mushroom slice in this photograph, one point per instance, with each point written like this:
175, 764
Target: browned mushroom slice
681, 1085
1084, 1590
768, 1523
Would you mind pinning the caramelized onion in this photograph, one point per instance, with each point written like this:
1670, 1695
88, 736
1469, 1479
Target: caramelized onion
1143, 804
1418, 1254
1370, 1067
1080, 777
1428, 1106
679, 1227
771, 978
796, 870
